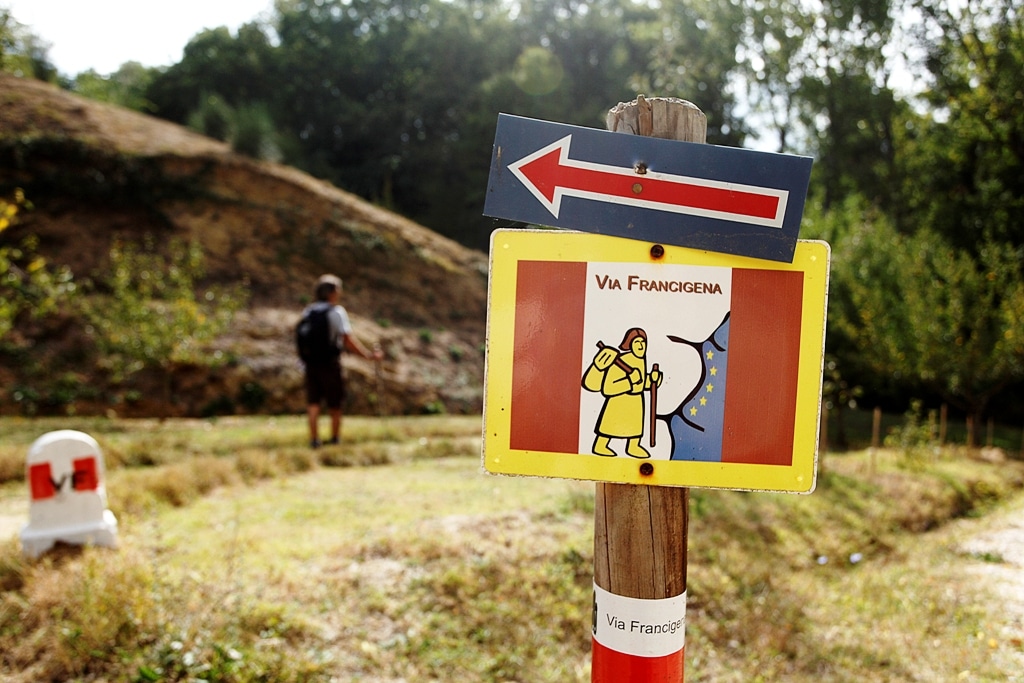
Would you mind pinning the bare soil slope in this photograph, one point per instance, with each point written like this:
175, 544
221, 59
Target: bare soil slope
96, 173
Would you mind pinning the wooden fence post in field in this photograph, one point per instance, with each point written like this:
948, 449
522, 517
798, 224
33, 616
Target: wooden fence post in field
943, 417
640, 532
876, 438
823, 436
876, 427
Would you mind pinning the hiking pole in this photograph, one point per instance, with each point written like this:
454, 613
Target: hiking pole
654, 404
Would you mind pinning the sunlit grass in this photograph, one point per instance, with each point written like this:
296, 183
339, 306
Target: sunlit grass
246, 556
145, 443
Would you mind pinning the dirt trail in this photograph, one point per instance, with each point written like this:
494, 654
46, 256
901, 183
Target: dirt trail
13, 511
987, 554
992, 551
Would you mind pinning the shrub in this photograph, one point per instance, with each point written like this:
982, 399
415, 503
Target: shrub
212, 118
253, 133
252, 396
221, 405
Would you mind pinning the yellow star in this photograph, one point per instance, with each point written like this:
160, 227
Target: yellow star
693, 409
710, 354
703, 400
710, 387
714, 372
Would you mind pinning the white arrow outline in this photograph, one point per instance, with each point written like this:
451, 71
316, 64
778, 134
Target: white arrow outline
555, 205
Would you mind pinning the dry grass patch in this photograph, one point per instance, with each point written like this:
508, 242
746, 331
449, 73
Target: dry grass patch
250, 563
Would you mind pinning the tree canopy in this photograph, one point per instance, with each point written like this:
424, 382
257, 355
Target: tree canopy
22, 52
920, 186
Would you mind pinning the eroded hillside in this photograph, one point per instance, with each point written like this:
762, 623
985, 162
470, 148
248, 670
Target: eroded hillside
95, 173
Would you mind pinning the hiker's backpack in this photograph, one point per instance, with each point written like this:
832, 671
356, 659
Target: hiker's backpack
313, 337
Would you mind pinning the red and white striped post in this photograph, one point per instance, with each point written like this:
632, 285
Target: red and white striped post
639, 584
640, 532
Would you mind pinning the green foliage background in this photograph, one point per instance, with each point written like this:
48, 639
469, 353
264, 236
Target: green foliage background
149, 312
919, 187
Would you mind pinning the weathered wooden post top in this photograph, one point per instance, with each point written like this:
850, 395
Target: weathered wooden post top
67, 494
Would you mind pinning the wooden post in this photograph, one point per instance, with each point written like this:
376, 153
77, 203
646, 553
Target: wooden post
876, 437
876, 427
640, 532
822, 439
823, 435
943, 416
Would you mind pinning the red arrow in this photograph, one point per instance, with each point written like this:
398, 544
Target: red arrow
549, 174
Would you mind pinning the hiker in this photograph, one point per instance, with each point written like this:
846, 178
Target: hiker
322, 334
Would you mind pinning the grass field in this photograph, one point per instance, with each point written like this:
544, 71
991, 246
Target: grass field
245, 556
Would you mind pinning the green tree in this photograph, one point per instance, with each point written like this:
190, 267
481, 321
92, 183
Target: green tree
964, 156
253, 132
771, 52
27, 285
922, 312
598, 48
149, 312
212, 117
8, 40
692, 54
397, 101
240, 69
22, 52
126, 87
381, 100
818, 75
249, 128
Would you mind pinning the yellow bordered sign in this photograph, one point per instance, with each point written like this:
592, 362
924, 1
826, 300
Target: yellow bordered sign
610, 360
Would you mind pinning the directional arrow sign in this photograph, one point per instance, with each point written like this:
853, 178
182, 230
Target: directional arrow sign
549, 174
714, 198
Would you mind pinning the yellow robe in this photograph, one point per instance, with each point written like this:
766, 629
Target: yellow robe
622, 415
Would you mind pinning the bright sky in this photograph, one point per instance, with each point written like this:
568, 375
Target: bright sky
104, 34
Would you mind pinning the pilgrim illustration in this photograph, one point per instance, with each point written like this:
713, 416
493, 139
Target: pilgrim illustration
692, 419
620, 375
659, 393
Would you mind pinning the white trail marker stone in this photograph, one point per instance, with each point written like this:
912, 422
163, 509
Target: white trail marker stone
67, 494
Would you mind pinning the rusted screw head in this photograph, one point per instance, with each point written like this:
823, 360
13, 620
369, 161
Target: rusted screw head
646, 469
657, 251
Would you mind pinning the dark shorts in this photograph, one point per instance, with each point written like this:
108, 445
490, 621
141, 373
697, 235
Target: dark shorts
325, 384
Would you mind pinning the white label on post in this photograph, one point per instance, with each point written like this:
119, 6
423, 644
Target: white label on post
644, 628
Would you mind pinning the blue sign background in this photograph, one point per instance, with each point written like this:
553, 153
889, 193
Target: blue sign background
508, 198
